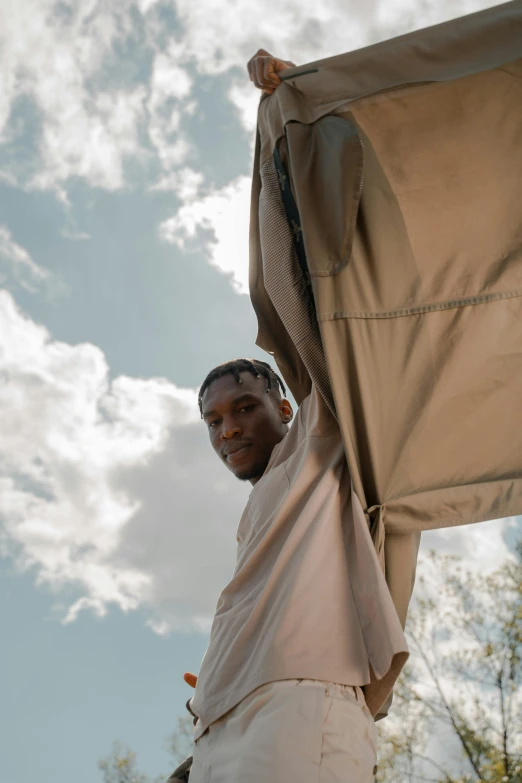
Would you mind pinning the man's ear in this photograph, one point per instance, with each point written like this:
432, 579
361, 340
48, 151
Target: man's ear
286, 412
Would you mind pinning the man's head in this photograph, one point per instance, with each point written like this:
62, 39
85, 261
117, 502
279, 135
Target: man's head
241, 404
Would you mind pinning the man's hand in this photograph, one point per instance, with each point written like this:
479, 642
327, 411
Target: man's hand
190, 679
262, 69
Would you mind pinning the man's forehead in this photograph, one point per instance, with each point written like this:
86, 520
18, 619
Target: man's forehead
226, 388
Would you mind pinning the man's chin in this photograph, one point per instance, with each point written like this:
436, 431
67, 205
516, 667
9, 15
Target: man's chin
249, 472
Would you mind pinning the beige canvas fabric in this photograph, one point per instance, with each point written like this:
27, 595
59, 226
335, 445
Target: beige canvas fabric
405, 163
307, 598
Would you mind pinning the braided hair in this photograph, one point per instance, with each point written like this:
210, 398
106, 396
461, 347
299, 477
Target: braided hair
236, 366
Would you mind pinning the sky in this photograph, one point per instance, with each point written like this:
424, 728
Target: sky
126, 152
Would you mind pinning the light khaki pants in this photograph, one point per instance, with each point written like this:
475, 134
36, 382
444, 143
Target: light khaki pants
290, 731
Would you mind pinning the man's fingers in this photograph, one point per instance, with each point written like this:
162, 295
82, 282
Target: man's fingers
270, 70
259, 72
262, 70
250, 64
190, 679
265, 76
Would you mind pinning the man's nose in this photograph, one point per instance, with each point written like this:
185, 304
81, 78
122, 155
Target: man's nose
230, 430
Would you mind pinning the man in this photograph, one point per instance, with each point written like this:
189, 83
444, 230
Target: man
279, 693
307, 619
306, 643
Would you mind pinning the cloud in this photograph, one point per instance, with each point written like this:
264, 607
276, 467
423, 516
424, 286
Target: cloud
168, 80
110, 487
114, 83
227, 35
245, 101
223, 215
27, 274
222, 41
76, 63
8, 178
483, 546
57, 57
185, 182
91, 143
72, 64
169, 100
12, 251
77, 236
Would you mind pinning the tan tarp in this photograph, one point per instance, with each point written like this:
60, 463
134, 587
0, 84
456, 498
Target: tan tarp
405, 162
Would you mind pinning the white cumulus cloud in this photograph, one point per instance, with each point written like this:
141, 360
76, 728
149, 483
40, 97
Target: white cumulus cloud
101, 482
224, 38
70, 62
225, 215
50, 55
25, 271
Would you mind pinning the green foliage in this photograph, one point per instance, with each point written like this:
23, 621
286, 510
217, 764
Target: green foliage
120, 766
463, 681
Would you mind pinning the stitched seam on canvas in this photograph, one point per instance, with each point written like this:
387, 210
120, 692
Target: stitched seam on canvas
384, 91
451, 304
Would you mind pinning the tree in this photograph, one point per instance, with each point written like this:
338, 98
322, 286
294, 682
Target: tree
461, 690
120, 765
181, 741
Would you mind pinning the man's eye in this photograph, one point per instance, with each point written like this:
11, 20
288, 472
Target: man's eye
246, 408
213, 423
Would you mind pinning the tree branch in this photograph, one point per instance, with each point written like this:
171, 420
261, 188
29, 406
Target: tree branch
447, 707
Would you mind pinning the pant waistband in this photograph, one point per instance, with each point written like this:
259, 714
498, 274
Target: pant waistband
333, 687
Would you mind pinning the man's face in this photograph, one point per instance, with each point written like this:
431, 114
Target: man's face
244, 423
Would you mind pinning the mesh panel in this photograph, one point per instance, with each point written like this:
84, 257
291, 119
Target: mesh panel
285, 285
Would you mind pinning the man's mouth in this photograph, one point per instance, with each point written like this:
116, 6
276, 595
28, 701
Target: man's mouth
236, 453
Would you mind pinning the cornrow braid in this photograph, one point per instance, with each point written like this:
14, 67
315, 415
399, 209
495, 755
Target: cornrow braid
235, 367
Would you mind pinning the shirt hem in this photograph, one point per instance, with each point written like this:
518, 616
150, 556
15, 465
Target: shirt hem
351, 679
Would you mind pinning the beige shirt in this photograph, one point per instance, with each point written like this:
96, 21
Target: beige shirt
307, 598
